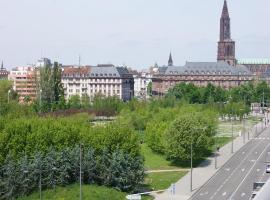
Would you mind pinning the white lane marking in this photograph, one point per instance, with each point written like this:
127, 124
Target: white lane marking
253, 160
235, 169
243, 194
243, 169
250, 170
258, 170
256, 152
227, 169
243, 152
224, 193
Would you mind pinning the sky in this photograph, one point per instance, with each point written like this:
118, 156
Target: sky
135, 33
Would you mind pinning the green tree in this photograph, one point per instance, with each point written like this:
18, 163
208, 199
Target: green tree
194, 127
74, 101
149, 89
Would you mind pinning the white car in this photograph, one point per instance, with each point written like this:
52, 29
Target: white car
267, 168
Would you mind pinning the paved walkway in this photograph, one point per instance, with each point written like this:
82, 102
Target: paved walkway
205, 171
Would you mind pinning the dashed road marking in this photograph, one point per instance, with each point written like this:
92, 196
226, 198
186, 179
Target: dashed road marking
258, 170
243, 169
243, 194
224, 193
227, 169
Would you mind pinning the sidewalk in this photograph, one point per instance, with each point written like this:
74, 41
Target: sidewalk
205, 170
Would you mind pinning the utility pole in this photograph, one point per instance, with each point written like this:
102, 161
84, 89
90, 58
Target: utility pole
216, 152
191, 161
80, 171
232, 135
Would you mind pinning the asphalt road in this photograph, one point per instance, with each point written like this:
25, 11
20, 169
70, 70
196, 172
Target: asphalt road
234, 181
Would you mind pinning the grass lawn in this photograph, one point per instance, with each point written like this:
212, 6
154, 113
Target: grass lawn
162, 180
155, 161
225, 127
221, 141
72, 192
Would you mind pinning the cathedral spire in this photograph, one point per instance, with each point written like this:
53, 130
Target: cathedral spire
225, 11
170, 62
2, 65
226, 46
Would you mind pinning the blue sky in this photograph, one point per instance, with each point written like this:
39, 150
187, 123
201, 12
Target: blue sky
137, 33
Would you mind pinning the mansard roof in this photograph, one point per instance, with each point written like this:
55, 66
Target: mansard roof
205, 68
100, 71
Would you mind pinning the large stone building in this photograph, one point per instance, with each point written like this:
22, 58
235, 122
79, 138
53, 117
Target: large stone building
259, 67
3, 72
226, 72
106, 80
24, 83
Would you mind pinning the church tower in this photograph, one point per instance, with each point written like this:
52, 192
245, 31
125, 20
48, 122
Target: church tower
226, 46
170, 62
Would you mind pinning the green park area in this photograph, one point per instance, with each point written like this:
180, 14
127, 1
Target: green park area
143, 147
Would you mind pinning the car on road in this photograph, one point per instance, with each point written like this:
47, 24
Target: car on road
267, 168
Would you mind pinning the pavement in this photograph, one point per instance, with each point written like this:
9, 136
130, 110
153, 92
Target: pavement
233, 179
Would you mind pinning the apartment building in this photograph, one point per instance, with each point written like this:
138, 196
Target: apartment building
106, 80
24, 83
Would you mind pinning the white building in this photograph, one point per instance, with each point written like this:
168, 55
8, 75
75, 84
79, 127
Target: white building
106, 80
141, 81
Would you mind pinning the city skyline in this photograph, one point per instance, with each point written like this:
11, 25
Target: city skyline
127, 32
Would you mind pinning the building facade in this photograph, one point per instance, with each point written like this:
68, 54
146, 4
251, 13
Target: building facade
226, 72
259, 67
106, 80
24, 83
200, 74
3, 72
141, 82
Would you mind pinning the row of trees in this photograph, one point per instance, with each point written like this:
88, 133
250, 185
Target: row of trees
23, 176
247, 93
28, 135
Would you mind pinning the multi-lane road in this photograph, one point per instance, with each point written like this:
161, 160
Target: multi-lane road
234, 181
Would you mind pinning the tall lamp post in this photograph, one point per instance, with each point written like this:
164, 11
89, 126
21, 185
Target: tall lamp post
232, 134
191, 154
216, 150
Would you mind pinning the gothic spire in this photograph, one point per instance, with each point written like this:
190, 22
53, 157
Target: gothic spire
225, 11
170, 62
2, 65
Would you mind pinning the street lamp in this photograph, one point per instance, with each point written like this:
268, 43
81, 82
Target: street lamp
191, 154
81, 146
244, 128
232, 135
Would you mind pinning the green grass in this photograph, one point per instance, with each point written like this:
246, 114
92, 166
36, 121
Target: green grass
72, 192
162, 180
225, 127
155, 161
222, 141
